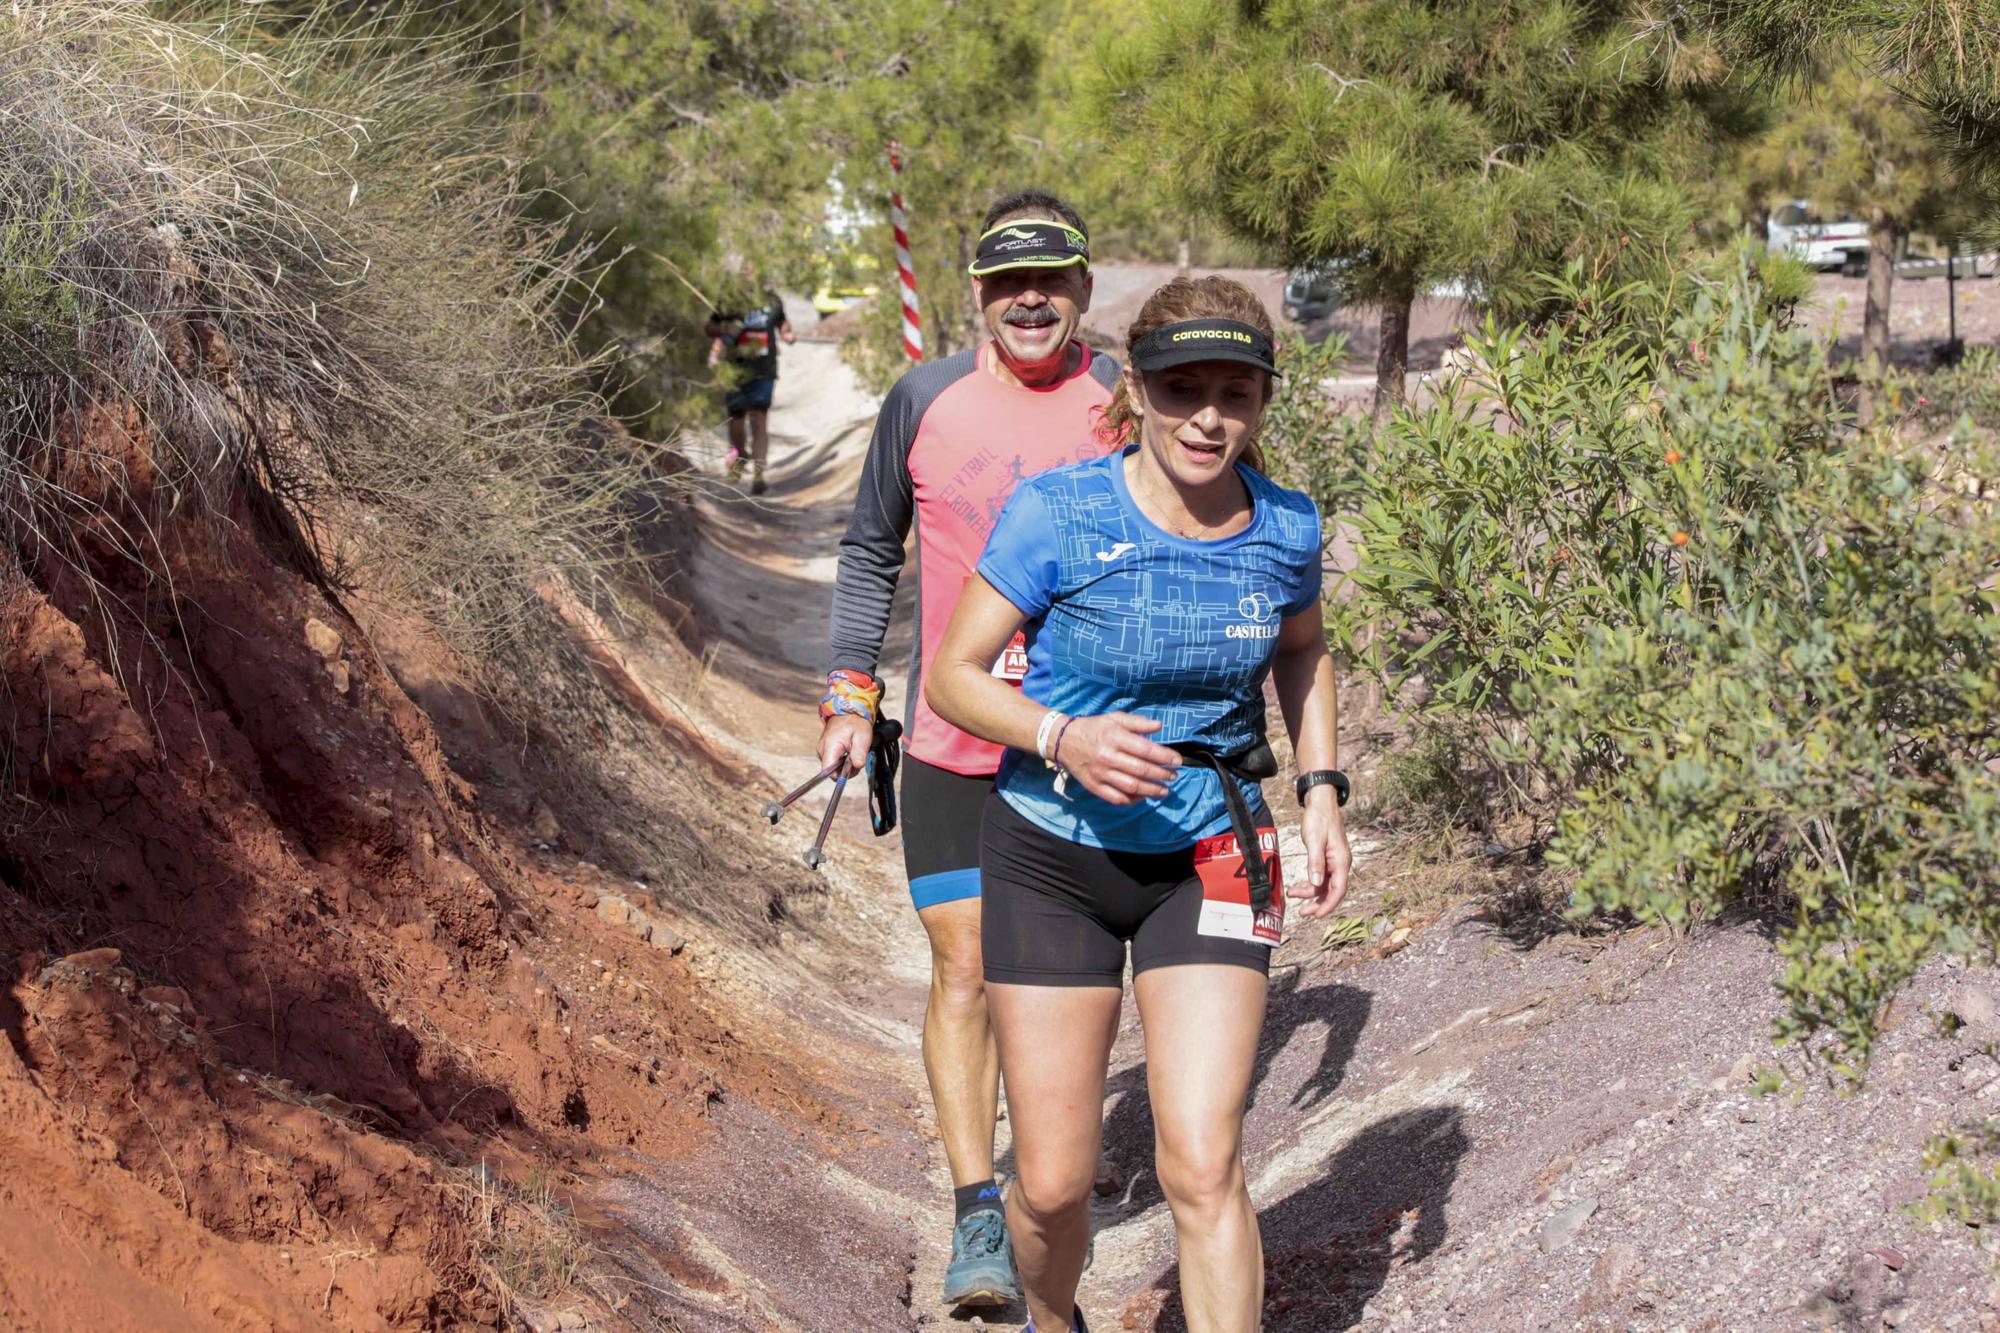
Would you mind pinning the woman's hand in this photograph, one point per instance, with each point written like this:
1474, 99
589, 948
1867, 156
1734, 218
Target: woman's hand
1328, 858
1110, 755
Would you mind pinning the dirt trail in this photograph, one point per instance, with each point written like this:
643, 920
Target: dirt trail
1491, 1123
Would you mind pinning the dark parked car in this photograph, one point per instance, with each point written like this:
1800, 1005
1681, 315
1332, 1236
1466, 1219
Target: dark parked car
1310, 294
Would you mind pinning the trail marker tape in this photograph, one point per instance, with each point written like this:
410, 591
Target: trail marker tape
906, 269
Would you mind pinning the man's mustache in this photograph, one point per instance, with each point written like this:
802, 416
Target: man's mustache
1031, 317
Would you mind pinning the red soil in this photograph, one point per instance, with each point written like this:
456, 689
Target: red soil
275, 982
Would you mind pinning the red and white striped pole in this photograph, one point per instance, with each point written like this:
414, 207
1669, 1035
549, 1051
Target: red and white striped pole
906, 269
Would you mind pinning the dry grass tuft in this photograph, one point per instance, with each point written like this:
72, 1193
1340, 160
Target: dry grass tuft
295, 267
527, 1240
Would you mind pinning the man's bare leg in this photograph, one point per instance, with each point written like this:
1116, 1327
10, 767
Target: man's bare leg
959, 1056
760, 448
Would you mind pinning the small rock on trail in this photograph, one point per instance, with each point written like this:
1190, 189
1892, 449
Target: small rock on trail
1557, 1233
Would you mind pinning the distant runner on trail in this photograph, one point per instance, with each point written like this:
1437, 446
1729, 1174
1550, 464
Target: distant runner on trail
1160, 586
747, 339
954, 438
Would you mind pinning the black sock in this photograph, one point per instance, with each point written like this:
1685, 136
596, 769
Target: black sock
970, 1198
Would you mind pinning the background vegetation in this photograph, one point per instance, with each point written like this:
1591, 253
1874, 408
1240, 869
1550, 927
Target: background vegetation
307, 269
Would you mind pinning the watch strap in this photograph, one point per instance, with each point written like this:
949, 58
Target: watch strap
1323, 777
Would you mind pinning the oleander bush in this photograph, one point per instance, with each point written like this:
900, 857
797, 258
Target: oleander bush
1308, 443
1709, 641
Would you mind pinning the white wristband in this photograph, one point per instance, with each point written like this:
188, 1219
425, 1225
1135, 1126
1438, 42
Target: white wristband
1042, 733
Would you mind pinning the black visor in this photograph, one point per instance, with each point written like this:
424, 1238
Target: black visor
1206, 340
1029, 245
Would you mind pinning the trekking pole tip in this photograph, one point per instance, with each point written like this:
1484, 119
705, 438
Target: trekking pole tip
774, 811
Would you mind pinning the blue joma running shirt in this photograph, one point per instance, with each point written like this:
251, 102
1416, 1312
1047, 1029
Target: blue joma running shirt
1124, 616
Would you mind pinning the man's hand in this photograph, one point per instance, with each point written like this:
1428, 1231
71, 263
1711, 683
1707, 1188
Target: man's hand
1110, 755
849, 735
1328, 858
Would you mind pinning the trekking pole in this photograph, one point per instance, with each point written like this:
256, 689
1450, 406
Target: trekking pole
776, 809
814, 856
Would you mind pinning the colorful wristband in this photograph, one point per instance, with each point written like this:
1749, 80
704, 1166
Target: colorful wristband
851, 693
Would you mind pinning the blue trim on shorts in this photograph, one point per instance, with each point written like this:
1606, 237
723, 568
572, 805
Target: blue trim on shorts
944, 887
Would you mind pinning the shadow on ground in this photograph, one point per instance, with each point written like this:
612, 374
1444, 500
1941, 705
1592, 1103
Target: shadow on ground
1330, 1247
1128, 1129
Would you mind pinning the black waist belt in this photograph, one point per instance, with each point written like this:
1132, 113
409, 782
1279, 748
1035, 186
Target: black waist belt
1254, 765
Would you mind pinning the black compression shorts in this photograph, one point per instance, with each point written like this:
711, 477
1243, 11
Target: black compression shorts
1058, 913
940, 823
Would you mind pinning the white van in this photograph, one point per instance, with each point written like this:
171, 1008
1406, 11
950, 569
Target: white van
1841, 243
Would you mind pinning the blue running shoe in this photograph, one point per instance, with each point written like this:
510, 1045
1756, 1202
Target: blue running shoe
982, 1262
1076, 1323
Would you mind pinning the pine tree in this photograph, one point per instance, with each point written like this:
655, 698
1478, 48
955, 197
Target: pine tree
957, 86
1859, 149
1943, 56
1410, 143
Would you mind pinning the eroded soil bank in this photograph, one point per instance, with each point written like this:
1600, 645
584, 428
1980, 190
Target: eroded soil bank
325, 1009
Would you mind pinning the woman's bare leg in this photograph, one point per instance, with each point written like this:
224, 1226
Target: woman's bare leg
1202, 1022
1055, 1042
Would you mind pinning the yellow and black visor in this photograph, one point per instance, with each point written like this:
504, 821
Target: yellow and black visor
1206, 340
1029, 245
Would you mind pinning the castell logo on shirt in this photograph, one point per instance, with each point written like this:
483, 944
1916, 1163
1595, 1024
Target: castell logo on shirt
1258, 609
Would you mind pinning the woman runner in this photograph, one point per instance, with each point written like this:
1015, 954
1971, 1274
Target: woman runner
1159, 586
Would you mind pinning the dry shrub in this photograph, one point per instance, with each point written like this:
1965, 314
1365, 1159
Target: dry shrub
529, 1242
297, 264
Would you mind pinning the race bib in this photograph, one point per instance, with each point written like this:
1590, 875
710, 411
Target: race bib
1012, 664
1225, 890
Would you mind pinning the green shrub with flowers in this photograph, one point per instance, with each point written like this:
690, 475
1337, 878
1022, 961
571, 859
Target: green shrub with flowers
1711, 639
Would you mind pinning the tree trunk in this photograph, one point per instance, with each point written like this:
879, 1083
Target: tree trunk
1392, 362
975, 317
1181, 258
1882, 236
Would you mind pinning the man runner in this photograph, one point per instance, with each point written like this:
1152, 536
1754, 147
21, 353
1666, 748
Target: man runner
953, 439
748, 341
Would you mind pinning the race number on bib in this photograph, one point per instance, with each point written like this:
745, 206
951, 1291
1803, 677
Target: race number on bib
1225, 890
1013, 661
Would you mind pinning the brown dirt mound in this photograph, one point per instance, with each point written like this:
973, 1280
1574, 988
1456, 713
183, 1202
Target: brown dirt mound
278, 988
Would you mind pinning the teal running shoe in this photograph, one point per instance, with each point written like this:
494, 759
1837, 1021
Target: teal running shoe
982, 1262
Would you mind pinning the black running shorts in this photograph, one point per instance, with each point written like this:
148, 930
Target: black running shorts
940, 822
1058, 913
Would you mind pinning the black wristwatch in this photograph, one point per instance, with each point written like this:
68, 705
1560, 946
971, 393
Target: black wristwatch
1321, 777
